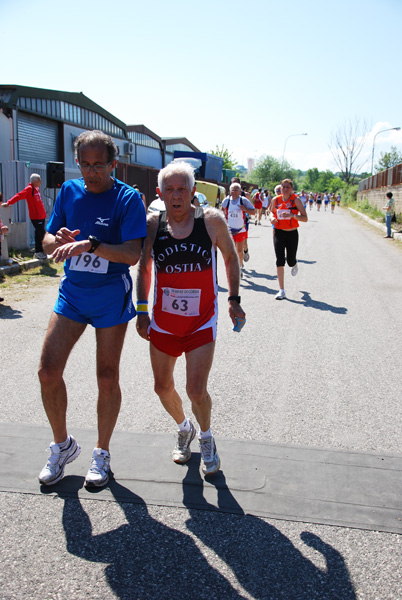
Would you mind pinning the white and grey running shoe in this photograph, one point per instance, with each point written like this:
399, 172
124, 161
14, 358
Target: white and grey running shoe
182, 451
53, 471
246, 255
209, 456
295, 270
280, 295
98, 473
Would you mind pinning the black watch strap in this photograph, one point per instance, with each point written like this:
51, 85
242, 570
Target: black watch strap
94, 243
237, 298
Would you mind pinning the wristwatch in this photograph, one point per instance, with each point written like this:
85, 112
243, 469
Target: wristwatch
94, 243
237, 298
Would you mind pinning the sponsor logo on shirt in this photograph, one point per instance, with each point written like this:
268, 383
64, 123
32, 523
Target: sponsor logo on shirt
101, 221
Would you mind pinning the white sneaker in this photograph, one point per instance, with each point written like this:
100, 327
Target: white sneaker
246, 255
53, 471
98, 473
209, 456
182, 452
295, 270
280, 295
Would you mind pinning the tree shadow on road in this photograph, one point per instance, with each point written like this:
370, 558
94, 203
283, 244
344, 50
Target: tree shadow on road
308, 302
265, 562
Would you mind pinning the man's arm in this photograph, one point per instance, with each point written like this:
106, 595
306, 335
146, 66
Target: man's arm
23, 195
247, 207
60, 248
219, 233
144, 274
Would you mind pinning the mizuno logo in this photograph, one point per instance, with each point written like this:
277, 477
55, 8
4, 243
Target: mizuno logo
101, 221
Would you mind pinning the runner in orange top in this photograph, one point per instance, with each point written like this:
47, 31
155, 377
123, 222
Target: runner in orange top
286, 211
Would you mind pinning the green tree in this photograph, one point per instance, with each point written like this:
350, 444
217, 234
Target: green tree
269, 171
228, 160
312, 177
324, 181
388, 159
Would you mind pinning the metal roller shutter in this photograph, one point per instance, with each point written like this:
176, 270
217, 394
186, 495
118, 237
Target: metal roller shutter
37, 139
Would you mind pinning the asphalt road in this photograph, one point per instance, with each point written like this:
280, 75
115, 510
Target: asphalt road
319, 369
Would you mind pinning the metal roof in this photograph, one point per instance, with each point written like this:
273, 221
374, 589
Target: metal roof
9, 95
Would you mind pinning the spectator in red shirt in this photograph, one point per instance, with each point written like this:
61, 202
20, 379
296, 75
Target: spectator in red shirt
36, 209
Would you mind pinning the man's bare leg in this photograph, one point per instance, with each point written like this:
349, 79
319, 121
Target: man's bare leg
110, 342
61, 336
199, 363
163, 365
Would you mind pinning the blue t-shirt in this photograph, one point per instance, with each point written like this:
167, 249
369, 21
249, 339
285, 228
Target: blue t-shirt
114, 217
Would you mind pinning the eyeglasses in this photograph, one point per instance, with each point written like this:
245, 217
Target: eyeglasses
95, 168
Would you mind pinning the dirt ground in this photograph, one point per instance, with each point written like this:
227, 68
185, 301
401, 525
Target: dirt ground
29, 283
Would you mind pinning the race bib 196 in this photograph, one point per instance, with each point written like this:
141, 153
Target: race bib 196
89, 263
185, 303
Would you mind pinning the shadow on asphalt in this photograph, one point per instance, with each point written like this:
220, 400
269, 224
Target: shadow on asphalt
147, 559
308, 302
7, 312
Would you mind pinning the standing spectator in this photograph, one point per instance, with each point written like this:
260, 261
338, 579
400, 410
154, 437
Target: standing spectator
36, 209
390, 210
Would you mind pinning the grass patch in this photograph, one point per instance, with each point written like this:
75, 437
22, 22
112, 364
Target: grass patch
19, 254
363, 206
371, 211
31, 278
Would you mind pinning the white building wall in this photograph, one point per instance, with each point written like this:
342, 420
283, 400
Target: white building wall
5, 146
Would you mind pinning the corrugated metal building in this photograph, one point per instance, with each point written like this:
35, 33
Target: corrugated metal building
38, 126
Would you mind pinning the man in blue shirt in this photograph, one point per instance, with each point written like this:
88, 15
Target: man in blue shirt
97, 227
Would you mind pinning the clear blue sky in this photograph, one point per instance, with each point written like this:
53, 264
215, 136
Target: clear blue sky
243, 74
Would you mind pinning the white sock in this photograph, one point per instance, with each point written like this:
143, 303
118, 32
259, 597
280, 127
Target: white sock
204, 434
65, 444
185, 426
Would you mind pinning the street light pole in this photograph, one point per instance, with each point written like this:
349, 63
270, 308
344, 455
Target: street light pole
372, 154
284, 148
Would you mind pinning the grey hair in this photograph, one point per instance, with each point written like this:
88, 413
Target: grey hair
177, 168
34, 177
278, 189
96, 138
235, 185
